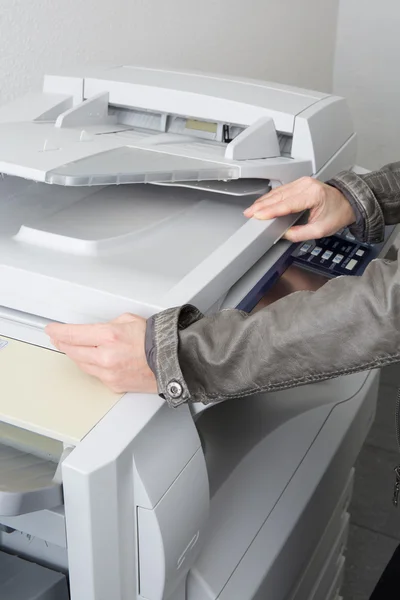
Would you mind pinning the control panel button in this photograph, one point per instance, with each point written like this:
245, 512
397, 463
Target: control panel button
360, 252
305, 247
350, 237
338, 258
326, 255
317, 250
351, 264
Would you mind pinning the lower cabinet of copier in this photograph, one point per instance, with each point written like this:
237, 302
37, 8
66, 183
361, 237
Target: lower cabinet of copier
249, 499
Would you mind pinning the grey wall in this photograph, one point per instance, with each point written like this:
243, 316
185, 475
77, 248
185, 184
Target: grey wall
290, 41
367, 73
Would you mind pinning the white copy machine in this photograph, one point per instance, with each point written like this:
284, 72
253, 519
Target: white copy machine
123, 190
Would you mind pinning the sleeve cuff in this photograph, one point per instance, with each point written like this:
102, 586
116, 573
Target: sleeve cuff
370, 225
161, 345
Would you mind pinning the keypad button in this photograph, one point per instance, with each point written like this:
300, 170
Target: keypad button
338, 258
351, 264
360, 252
317, 250
305, 248
326, 255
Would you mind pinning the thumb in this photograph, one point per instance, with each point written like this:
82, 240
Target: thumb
303, 233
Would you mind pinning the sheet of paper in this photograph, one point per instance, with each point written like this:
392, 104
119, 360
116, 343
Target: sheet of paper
44, 392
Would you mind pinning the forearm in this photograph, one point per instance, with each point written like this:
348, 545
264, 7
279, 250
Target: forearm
375, 198
351, 324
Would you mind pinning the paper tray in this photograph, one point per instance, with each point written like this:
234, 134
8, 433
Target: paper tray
26, 483
45, 393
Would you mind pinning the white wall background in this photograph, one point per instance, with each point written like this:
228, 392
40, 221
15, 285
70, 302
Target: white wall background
367, 73
290, 41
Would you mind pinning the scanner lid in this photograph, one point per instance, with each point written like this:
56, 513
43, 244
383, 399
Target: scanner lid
88, 254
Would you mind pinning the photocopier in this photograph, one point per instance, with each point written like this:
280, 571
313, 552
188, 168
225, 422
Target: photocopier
123, 190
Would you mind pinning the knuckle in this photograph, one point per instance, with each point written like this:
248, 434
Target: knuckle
69, 337
107, 359
127, 316
306, 181
309, 183
314, 184
112, 333
124, 318
280, 195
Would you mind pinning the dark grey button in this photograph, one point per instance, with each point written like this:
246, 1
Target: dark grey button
174, 389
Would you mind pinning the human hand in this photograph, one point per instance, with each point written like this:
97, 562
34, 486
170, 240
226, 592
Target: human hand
329, 209
113, 352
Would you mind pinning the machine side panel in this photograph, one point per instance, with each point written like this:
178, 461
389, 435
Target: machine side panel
283, 547
171, 534
131, 459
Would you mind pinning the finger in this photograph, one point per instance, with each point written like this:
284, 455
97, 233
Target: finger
303, 191
79, 335
278, 194
263, 198
302, 233
78, 354
271, 198
279, 209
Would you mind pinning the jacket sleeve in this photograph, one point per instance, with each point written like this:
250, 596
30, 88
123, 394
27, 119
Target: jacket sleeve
351, 324
375, 198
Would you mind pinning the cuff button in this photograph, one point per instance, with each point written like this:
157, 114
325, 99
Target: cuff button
174, 389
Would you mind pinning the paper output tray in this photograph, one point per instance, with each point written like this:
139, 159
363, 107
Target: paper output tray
26, 483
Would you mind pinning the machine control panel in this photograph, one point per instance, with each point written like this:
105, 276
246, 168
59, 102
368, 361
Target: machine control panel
340, 254
329, 257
